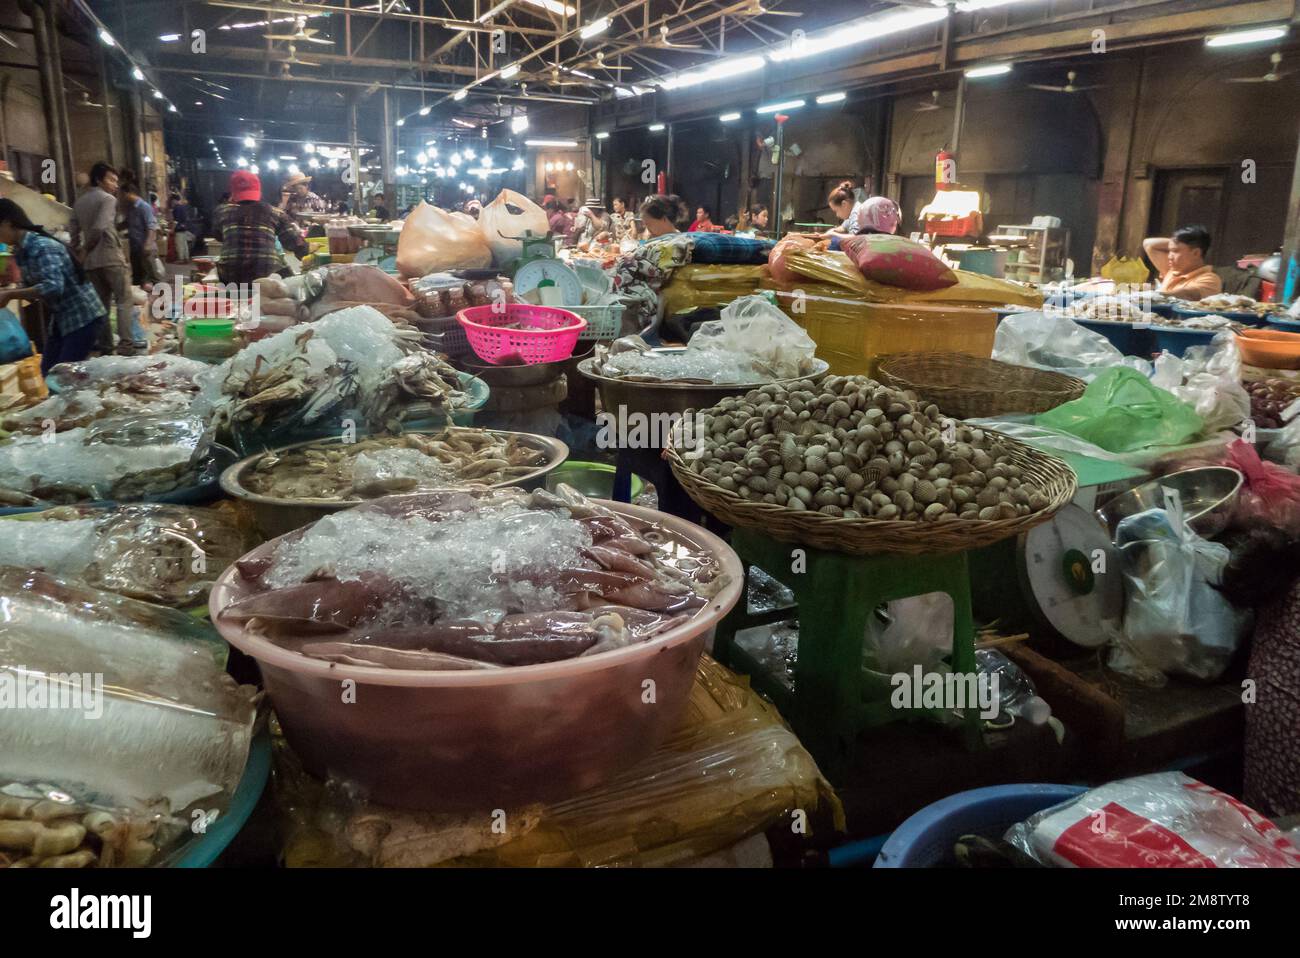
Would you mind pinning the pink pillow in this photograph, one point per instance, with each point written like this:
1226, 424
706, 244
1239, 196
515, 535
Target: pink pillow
897, 261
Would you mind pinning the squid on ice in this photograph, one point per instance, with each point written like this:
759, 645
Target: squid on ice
610, 581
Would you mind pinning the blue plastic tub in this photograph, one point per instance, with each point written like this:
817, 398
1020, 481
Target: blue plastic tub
1164, 309
1128, 339
204, 850
1286, 325
1248, 319
926, 839
1175, 340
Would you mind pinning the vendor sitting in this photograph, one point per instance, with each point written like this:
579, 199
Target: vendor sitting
248, 228
1180, 261
298, 197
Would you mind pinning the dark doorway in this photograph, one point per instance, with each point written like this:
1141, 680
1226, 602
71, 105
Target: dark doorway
1189, 198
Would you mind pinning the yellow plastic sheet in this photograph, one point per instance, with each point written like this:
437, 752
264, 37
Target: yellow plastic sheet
972, 289
701, 286
730, 771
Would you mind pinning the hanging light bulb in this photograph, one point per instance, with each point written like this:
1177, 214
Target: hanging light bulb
422, 158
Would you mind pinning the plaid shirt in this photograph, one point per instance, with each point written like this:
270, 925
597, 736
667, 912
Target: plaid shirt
45, 264
248, 232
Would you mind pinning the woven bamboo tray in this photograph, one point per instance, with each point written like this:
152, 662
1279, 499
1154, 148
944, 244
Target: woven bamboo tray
914, 537
967, 387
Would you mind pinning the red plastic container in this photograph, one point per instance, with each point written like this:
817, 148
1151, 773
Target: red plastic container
212, 302
475, 740
550, 337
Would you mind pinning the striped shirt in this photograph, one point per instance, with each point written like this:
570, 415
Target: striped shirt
45, 265
248, 232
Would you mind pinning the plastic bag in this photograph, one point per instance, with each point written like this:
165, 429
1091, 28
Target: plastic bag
914, 631
14, 344
506, 219
730, 770
1125, 269
1269, 493
1176, 621
700, 287
776, 260
149, 721
752, 326
170, 555
1056, 342
1165, 820
1121, 411
433, 240
1208, 378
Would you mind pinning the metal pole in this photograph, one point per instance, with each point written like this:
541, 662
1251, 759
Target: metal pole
958, 115
355, 157
780, 172
1289, 275
387, 149
60, 97
110, 147
45, 72
668, 163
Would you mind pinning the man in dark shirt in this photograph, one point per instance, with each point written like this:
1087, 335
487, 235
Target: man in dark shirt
248, 227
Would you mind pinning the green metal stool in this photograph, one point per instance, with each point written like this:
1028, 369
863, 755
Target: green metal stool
833, 698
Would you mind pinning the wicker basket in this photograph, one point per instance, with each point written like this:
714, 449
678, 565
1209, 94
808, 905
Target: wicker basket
1051, 476
968, 388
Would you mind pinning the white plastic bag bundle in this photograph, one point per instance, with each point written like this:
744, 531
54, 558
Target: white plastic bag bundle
919, 632
1165, 820
506, 219
1049, 340
1208, 378
1176, 622
433, 240
751, 326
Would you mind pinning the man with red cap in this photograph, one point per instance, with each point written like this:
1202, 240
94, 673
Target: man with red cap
248, 228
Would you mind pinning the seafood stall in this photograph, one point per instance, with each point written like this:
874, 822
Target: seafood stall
343, 552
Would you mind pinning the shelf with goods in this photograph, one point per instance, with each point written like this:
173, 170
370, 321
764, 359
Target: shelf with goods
1043, 259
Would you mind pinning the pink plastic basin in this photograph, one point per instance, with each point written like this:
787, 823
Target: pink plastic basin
551, 336
485, 739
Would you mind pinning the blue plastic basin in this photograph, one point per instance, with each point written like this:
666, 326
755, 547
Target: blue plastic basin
926, 839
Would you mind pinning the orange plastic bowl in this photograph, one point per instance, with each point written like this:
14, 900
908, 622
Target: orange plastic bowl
500, 738
1269, 348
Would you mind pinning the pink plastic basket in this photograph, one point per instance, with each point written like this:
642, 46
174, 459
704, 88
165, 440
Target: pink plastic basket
551, 335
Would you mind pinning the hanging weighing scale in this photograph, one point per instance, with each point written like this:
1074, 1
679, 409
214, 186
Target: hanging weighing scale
1063, 576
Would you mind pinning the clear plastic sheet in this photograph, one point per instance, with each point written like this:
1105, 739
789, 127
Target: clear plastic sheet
751, 326
158, 370
126, 705
1176, 621
1207, 378
1165, 820
731, 770
166, 554
1053, 341
119, 458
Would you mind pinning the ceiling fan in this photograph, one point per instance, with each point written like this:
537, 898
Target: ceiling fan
294, 59
666, 44
600, 64
1272, 76
85, 101
758, 10
1069, 87
301, 34
930, 104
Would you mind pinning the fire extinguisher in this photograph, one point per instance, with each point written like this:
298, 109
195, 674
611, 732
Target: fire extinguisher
661, 183
945, 170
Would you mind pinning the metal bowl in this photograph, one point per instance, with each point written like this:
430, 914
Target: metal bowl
651, 398
1207, 495
276, 516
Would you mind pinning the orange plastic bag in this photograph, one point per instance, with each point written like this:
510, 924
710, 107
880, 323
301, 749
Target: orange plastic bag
433, 240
